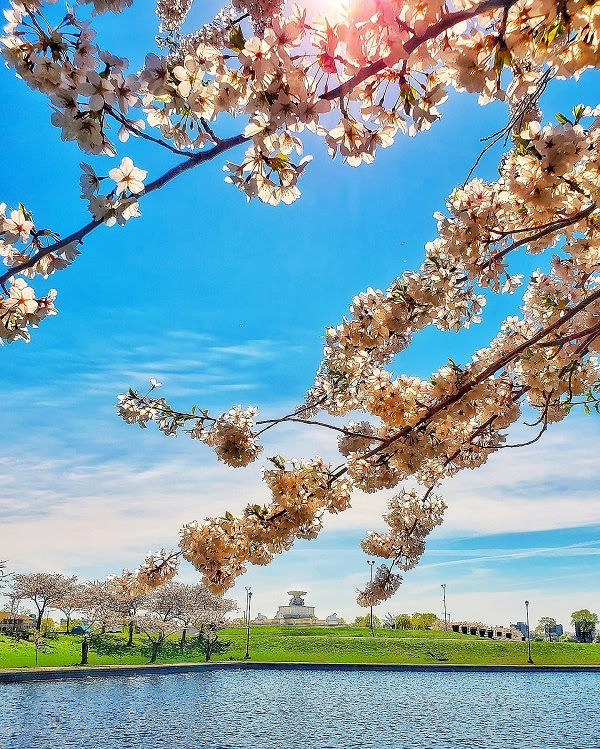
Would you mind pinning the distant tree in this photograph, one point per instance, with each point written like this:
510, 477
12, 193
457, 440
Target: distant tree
43, 588
389, 621
403, 621
365, 621
96, 603
183, 606
15, 603
156, 630
584, 622
180, 603
210, 618
68, 602
546, 626
125, 597
39, 643
48, 625
422, 621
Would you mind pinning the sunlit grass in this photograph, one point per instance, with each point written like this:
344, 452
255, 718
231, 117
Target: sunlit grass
323, 644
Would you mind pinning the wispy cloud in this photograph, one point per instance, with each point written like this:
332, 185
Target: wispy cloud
83, 492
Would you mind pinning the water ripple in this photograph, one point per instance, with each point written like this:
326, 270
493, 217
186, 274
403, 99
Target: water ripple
307, 709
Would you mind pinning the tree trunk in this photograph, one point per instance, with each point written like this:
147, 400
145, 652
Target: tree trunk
209, 646
84, 651
155, 647
130, 638
68, 622
183, 638
38, 622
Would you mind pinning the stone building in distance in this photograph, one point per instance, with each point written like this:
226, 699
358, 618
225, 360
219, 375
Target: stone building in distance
296, 614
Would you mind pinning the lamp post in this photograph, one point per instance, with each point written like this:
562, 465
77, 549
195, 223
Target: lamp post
371, 562
248, 602
445, 615
529, 658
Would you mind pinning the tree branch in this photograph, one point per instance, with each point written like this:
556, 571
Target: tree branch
487, 372
77, 236
412, 44
140, 133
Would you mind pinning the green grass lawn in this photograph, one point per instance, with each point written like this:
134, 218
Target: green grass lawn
332, 644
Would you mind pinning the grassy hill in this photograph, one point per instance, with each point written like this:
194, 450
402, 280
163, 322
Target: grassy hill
330, 644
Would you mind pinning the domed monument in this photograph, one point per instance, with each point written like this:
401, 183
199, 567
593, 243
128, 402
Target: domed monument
296, 613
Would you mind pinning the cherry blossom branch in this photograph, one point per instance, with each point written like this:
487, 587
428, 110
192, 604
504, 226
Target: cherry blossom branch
141, 134
346, 432
594, 329
527, 102
452, 19
549, 229
493, 368
77, 236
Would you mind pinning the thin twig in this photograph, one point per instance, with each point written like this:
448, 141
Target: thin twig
140, 133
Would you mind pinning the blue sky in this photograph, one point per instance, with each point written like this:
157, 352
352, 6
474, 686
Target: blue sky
226, 302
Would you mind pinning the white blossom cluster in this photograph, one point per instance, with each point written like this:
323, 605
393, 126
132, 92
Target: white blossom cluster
172, 13
411, 518
232, 437
20, 309
222, 547
384, 584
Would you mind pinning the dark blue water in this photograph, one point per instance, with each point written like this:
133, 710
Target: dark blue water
310, 709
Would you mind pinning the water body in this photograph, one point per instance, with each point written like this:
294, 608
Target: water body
309, 709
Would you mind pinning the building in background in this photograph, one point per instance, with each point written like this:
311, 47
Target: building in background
296, 613
10, 622
522, 627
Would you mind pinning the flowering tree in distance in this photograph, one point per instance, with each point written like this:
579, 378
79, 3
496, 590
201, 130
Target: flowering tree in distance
357, 74
156, 629
46, 590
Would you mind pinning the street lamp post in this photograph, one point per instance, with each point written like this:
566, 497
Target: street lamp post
529, 658
371, 562
445, 615
248, 602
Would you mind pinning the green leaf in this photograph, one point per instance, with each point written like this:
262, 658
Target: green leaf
552, 31
236, 39
25, 212
279, 161
578, 112
502, 59
562, 119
